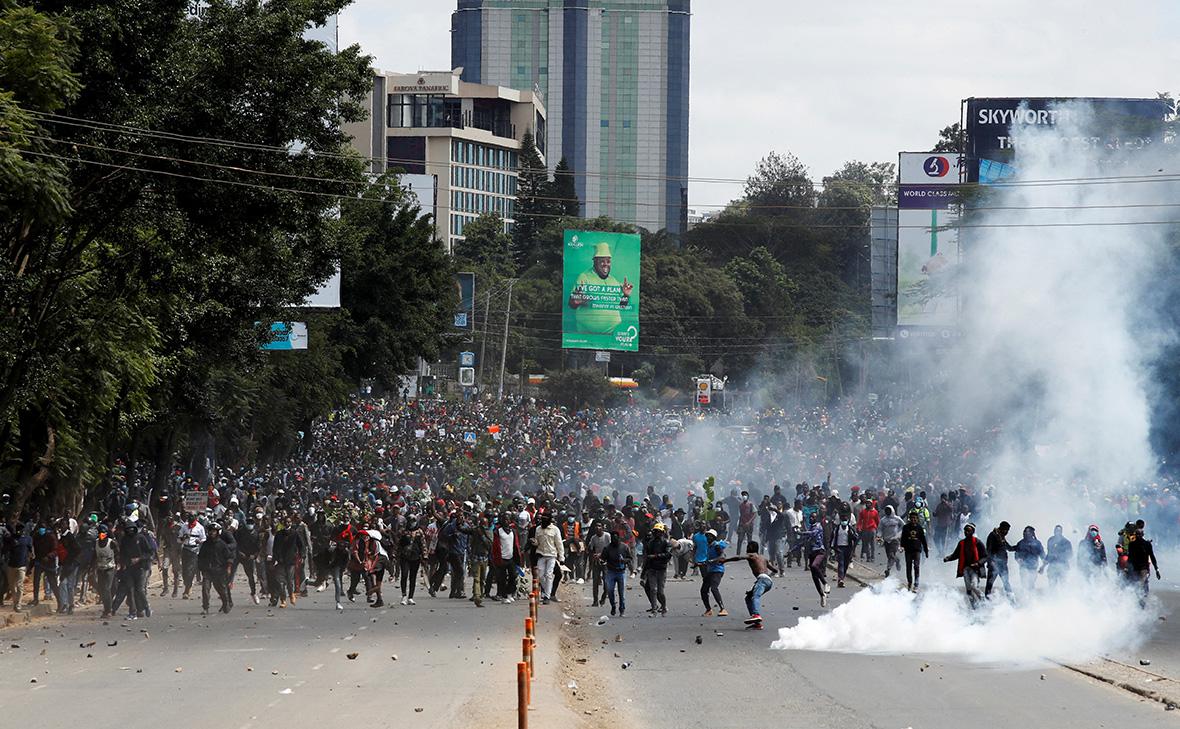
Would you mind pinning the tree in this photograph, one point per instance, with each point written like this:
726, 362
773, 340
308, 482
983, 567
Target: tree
779, 184
577, 388
397, 285
951, 139
565, 194
138, 263
532, 205
486, 249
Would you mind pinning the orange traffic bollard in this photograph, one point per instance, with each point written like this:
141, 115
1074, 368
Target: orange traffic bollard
528, 627
522, 695
526, 653
532, 659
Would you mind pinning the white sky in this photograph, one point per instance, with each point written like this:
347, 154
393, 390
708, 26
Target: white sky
855, 79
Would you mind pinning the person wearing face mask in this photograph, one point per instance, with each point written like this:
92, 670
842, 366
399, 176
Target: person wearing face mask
105, 559
18, 548
45, 563
191, 536
1092, 552
842, 543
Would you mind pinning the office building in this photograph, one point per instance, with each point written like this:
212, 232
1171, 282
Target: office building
466, 135
614, 76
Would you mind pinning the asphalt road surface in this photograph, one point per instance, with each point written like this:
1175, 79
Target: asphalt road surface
455, 664
260, 667
732, 679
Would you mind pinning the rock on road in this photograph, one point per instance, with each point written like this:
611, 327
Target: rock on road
735, 680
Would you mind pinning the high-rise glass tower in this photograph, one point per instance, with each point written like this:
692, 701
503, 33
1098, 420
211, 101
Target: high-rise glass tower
614, 77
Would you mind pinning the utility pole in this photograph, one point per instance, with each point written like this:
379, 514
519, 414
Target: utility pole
504, 349
483, 345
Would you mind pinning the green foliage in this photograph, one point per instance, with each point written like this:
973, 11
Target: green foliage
951, 139
397, 286
577, 388
564, 193
533, 208
486, 249
137, 265
710, 499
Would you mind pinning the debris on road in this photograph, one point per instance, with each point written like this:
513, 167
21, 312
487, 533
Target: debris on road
699, 640
626, 665
352, 656
601, 621
1144, 663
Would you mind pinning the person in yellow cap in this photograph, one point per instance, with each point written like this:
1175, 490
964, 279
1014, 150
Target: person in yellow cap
656, 555
598, 297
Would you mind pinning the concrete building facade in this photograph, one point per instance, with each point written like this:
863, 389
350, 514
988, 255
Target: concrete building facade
466, 135
614, 75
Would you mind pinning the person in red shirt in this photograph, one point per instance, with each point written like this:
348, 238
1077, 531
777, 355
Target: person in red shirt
971, 556
867, 524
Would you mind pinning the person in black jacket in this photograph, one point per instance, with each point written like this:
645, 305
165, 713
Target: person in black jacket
214, 562
997, 559
913, 543
656, 555
135, 557
1141, 560
247, 557
230, 537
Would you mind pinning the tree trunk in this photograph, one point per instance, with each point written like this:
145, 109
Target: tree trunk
35, 471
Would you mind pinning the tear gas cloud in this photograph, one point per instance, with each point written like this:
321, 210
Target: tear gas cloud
1058, 625
1059, 327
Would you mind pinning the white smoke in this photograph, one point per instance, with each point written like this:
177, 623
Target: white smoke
1077, 622
1057, 335
1057, 325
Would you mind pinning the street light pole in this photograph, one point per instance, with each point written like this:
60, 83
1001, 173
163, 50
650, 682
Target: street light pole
504, 348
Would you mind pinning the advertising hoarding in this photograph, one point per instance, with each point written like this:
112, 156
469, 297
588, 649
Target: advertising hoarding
600, 291
1110, 123
927, 239
287, 335
465, 286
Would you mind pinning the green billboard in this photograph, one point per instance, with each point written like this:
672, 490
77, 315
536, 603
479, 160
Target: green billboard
600, 291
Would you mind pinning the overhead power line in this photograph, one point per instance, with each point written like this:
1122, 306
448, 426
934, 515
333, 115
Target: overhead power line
101, 126
517, 215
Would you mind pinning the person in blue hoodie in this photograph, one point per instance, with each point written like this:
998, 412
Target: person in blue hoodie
1028, 554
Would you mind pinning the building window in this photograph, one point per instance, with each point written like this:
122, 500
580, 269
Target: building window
626, 123
606, 122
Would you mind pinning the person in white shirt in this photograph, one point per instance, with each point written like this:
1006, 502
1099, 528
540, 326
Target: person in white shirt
550, 551
191, 537
794, 533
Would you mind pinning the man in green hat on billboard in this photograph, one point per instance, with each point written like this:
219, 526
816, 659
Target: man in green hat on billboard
598, 296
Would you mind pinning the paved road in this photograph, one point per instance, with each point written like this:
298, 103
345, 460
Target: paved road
453, 662
734, 680
456, 664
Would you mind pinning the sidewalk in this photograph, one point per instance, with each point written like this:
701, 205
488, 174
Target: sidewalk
1153, 671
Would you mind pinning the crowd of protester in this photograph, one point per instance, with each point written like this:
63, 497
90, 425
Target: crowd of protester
466, 499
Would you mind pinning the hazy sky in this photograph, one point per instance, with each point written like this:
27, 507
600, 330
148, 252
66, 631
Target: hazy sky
857, 79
